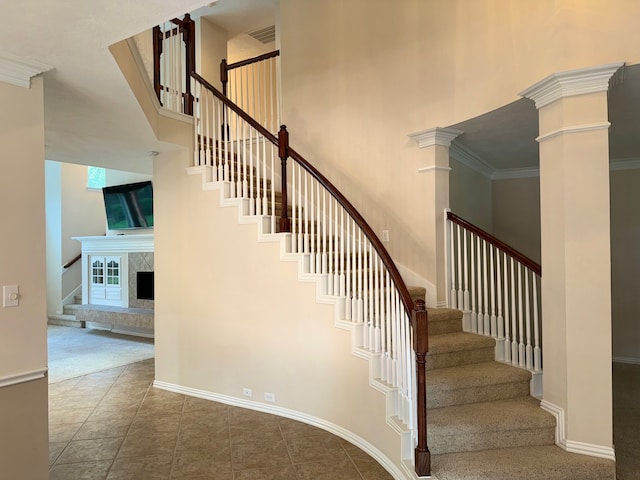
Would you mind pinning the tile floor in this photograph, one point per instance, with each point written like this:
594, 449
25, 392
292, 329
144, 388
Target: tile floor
113, 425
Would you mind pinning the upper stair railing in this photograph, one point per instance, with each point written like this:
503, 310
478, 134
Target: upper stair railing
497, 288
252, 84
336, 242
174, 53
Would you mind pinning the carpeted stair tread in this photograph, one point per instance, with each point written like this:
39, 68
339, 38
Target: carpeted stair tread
458, 341
475, 375
480, 382
417, 293
444, 320
500, 415
515, 422
531, 463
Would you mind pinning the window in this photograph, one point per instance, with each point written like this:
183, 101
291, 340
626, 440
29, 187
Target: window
96, 177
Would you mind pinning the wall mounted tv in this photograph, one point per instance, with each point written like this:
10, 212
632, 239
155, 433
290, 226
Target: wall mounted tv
129, 206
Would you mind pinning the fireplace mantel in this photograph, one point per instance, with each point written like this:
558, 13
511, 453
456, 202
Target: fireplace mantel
116, 250
117, 243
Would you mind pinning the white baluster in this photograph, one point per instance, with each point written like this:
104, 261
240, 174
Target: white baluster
514, 301
342, 287
307, 226
474, 314
537, 357
520, 318
453, 296
507, 338
300, 240
486, 329
479, 263
500, 319
529, 347
460, 298
466, 305
493, 318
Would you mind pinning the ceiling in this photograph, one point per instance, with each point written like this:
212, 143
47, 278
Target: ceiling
504, 140
92, 117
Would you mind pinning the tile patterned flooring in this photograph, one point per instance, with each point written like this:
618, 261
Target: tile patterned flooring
113, 425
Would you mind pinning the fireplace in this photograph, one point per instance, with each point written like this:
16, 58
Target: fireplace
144, 285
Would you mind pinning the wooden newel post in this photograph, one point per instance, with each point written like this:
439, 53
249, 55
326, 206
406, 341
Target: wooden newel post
157, 51
224, 76
189, 37
421, 347
283, 153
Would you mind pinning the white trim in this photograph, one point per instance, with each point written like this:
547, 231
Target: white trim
351, 437
17, 378
117, 243
18, 72
573, 129
570, 83
624, 164
434, 168
571, 445
513, 173
465, 156
435, 136
629, 360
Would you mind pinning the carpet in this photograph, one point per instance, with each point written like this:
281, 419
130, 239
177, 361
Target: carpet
78, 351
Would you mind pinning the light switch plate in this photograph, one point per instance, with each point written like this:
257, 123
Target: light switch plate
10, 296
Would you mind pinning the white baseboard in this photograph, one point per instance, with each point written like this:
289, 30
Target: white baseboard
382, 459
22, 377
571, 445
630, 360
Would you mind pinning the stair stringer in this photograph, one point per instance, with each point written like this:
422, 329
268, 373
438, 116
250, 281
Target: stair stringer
265, 224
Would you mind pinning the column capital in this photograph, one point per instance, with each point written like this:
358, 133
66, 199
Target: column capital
571, 82
435, 136
18, 72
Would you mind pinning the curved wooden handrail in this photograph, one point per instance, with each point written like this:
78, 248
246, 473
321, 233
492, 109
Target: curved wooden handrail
72, 261
346, 204
523, 259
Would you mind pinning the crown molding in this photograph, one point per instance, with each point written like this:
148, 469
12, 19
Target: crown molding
624, 164
571, 82
514, 173
19, 72
435, 136
463, 155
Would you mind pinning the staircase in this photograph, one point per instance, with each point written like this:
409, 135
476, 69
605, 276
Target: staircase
483, 424
68, 316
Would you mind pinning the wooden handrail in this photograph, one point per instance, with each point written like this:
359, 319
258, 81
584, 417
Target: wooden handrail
249, 61
520, 257
362, 223
417, 313
72, 261
225, 67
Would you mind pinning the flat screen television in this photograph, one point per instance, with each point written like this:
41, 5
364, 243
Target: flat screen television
129, 206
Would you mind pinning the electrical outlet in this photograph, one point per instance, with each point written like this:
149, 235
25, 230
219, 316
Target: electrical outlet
247, 392
385, 235
270, 397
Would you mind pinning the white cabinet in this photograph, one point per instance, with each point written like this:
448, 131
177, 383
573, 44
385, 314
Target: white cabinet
105, 275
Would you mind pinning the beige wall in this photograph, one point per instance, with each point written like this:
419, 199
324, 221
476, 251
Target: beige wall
82, 215
471, 195
230, 314
516, 214
210, 50
23, 333
358, 76
625, 264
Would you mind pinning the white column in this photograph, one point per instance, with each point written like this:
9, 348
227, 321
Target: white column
576, 266
435, 170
